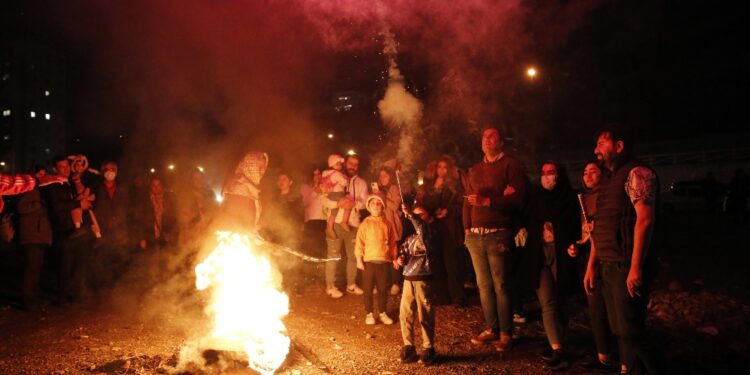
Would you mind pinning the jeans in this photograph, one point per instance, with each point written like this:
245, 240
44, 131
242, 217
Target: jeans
345, 239
376, 274
627, 318
549, 303
417, 293
490, 255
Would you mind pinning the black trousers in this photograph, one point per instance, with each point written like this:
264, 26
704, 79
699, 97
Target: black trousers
32, 272
627, 318
376, 274
598, 314
74, 251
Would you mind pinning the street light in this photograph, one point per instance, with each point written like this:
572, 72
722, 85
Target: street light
171, 167
153, 170
531, 72
330, 135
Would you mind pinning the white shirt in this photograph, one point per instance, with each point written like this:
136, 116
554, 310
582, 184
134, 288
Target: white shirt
313, 203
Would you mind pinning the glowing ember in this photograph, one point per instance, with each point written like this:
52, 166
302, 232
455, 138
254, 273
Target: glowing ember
246, 305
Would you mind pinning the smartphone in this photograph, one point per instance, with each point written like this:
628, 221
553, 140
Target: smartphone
374, 187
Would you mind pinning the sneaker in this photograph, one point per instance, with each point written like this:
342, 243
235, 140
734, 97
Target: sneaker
408, 354
519, 318
427, 357
334, 292
487, 336
385, 319
395, 289
547, 354
559, 361
504, 344
354, 289
593, 364
369, 319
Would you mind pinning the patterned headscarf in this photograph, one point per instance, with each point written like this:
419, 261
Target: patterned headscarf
247, 175
250, 166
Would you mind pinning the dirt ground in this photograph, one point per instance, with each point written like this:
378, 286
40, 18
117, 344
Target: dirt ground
698, 316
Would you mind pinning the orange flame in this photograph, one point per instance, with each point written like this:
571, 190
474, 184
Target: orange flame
246, 305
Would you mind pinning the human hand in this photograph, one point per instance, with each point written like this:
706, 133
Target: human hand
478, 200
441, 213
521, 237
396, 264
85, 204
508, 191
572, 251
588, 282
360, 264
405, 210
634, 282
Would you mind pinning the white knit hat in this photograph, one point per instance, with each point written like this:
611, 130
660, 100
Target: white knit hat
333, 159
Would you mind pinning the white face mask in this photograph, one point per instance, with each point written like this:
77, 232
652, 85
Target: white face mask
110, 175
549, 182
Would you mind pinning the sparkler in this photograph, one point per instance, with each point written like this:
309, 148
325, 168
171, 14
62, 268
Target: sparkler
586, 216
398, 183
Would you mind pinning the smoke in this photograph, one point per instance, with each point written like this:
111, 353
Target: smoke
400, 111
203, 82
467, 57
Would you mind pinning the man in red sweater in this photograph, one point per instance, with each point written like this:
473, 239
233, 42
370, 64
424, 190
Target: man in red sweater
495, 190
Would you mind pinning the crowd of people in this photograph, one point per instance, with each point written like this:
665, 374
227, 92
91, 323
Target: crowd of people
492, 224
93, 227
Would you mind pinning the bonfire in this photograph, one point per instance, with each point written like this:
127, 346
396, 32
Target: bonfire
246, 305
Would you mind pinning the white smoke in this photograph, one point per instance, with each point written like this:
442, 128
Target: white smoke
400, 111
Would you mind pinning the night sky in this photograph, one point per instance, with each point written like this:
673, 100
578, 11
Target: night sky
175, 76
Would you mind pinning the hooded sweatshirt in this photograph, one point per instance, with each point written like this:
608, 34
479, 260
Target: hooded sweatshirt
376, 238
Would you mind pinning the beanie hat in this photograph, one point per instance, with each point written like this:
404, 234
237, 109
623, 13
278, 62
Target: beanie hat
371, 198
334, 159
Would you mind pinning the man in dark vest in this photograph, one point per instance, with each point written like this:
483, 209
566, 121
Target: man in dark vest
621, 261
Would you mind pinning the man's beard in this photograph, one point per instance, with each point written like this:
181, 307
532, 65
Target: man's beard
351, 172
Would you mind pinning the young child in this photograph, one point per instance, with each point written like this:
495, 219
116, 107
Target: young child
416, 252
375, 251
334, 183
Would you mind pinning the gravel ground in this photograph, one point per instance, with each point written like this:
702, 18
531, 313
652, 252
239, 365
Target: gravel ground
698, 315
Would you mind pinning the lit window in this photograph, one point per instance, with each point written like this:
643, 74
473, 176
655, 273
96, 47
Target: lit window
47, 116
33, 114
46, 92
6, 112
